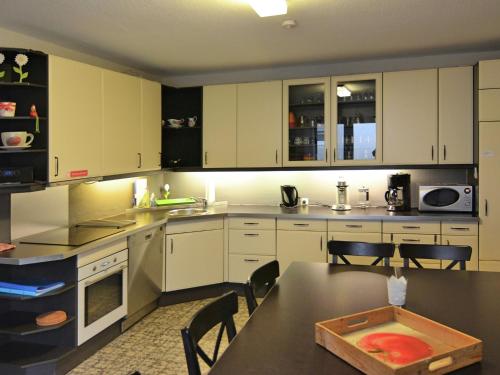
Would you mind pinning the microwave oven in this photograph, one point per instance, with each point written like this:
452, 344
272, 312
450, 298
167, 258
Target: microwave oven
454, 198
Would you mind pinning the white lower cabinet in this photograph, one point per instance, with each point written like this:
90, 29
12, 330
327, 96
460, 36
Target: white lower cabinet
489, 265
252, 244
412, 238
194, 257
357, 237
242, 266
306, 243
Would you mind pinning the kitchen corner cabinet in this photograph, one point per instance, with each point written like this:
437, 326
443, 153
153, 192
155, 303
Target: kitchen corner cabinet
258, 141
410, 111
356, 128
150, 125
219, 127
121, 123
456, 115
301, 241
194, 254
306, 122
75, 107
489, 199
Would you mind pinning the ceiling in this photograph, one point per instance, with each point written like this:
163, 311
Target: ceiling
175, 37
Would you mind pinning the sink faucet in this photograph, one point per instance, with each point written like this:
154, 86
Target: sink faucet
203, 201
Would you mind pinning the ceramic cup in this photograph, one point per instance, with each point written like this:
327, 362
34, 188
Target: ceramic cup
19, 139
7, 109
192, 121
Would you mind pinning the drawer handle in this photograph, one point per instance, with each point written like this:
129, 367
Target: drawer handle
251, 234
410, 240
353, 226
148, 237
251, 223
300, 225
460, 228
251, 260
411, 227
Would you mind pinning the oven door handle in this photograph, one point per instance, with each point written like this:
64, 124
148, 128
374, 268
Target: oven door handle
108, 272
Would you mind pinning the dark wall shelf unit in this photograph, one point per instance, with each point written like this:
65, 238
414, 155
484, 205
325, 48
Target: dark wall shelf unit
34, 90
26, 348
182, 147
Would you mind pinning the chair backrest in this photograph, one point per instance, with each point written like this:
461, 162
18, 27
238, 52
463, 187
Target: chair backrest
341, 249
219, 311
260, 282
457, 254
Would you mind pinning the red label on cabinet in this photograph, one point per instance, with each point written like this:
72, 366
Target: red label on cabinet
82, 173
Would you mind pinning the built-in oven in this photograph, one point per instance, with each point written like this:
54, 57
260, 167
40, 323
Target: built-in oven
102, 293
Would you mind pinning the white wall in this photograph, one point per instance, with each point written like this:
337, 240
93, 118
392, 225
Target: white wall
319, 186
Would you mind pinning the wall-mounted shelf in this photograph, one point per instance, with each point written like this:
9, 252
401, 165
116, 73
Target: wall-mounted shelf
23, 323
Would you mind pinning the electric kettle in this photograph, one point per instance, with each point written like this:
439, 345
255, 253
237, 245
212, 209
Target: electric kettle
289, 196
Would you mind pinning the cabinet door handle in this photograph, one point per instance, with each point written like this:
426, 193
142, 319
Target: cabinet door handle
276, 156
444, 152
334, 154
326, 155
251, 234
410, 240
56, 160
140, 160
321, 244
432, 152
251, 260
353, 226
147, 237
448, 242
486, 207
160, 155
411, 227
171, 246
460, 228
251, 223
301, 224
206, 157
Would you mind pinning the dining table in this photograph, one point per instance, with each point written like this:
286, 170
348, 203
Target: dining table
279, 337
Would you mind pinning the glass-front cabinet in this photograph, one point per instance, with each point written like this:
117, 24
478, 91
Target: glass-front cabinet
357, 119
306, 122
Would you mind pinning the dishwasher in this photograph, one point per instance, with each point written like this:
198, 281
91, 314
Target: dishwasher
145, 269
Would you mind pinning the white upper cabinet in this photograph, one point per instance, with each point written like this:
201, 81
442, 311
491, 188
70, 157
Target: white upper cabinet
121, 123
410, 110
456, 122
306, 122
489, 74
75, 107
150, 125
259, 124
219, 126
356, 126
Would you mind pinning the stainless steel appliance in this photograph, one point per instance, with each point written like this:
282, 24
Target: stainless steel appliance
455, 198
74, 236
289, 196
146, 251
341, 197
398, 195
102, 290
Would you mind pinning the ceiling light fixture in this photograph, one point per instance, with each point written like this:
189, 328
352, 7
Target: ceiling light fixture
343, 91
267, 8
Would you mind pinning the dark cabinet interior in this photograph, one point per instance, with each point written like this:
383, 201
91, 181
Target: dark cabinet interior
182, 143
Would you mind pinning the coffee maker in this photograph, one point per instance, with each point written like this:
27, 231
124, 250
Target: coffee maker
398, 195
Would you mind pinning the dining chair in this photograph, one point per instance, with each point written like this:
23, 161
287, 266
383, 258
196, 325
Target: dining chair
219, 311
260, 282
341, 249
457, 254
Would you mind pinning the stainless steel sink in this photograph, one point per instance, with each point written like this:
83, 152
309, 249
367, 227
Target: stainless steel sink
187, 212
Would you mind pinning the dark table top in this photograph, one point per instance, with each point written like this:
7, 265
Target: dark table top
279, 337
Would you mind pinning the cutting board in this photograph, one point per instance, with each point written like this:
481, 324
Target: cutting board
171, 202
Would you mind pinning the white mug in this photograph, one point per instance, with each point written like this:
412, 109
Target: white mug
192, 121
17, 139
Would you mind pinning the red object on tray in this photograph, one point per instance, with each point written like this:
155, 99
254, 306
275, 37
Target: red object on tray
6, 246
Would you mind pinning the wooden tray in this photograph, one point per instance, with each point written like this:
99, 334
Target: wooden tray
447, 349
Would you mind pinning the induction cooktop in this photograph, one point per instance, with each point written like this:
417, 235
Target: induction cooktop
74, 236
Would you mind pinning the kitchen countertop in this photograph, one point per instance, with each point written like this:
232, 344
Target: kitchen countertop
147, 219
